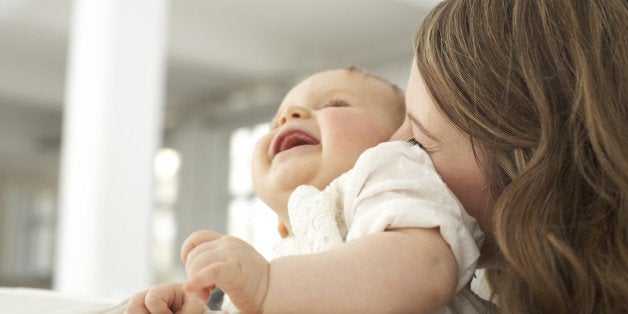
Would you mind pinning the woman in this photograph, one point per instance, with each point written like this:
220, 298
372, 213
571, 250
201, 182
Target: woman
522, 107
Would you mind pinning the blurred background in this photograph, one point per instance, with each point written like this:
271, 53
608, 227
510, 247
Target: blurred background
194, 80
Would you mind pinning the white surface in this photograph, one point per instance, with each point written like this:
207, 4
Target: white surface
37, 301
40, 301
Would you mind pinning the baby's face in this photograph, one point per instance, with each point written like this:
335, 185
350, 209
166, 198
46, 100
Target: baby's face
321, 127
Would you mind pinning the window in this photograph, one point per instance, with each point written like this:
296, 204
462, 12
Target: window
249, 218
166, 170
27, 234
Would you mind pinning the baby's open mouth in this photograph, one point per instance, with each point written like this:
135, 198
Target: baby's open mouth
293, 139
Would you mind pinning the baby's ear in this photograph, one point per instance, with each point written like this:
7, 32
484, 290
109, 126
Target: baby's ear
283, 231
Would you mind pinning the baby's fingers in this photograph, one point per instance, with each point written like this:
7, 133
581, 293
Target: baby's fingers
224, 274
165, 298
195, 239
136, 304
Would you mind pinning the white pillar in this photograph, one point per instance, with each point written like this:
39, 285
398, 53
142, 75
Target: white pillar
112, 129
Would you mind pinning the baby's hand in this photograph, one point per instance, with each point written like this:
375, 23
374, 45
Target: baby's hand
214, 259
166, 298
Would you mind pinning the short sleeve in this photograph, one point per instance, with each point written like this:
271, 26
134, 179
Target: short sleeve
395, 185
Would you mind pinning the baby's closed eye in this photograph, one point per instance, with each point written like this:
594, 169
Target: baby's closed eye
336, 102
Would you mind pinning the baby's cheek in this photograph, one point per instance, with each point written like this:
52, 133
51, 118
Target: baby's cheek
260, 162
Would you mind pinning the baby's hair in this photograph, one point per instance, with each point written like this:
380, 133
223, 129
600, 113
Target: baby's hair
396, 88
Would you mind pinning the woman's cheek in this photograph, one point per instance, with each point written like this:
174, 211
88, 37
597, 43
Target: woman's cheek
465, 179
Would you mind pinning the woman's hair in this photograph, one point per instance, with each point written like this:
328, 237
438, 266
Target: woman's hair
540, 86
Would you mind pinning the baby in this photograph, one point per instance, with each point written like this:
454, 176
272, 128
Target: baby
359, 221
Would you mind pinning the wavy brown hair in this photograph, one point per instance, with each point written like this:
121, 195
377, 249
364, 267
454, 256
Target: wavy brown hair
540, 86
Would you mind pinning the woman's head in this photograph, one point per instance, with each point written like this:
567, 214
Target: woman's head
450, 149
539, 90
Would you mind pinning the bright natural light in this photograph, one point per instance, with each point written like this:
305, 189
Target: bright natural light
249, 218
164, 229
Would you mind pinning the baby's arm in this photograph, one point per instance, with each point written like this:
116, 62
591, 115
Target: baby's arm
402, 270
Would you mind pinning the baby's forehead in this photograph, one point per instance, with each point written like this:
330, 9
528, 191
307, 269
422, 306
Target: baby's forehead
345, 73
342, 82
348, 79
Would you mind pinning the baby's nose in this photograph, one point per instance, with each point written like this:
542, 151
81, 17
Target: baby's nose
293, 112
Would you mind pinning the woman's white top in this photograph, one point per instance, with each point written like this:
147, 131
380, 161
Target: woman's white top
393, 185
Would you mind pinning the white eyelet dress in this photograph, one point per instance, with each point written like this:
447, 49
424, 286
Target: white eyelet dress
393, 185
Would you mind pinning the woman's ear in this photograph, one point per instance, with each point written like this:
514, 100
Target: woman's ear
283, 230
